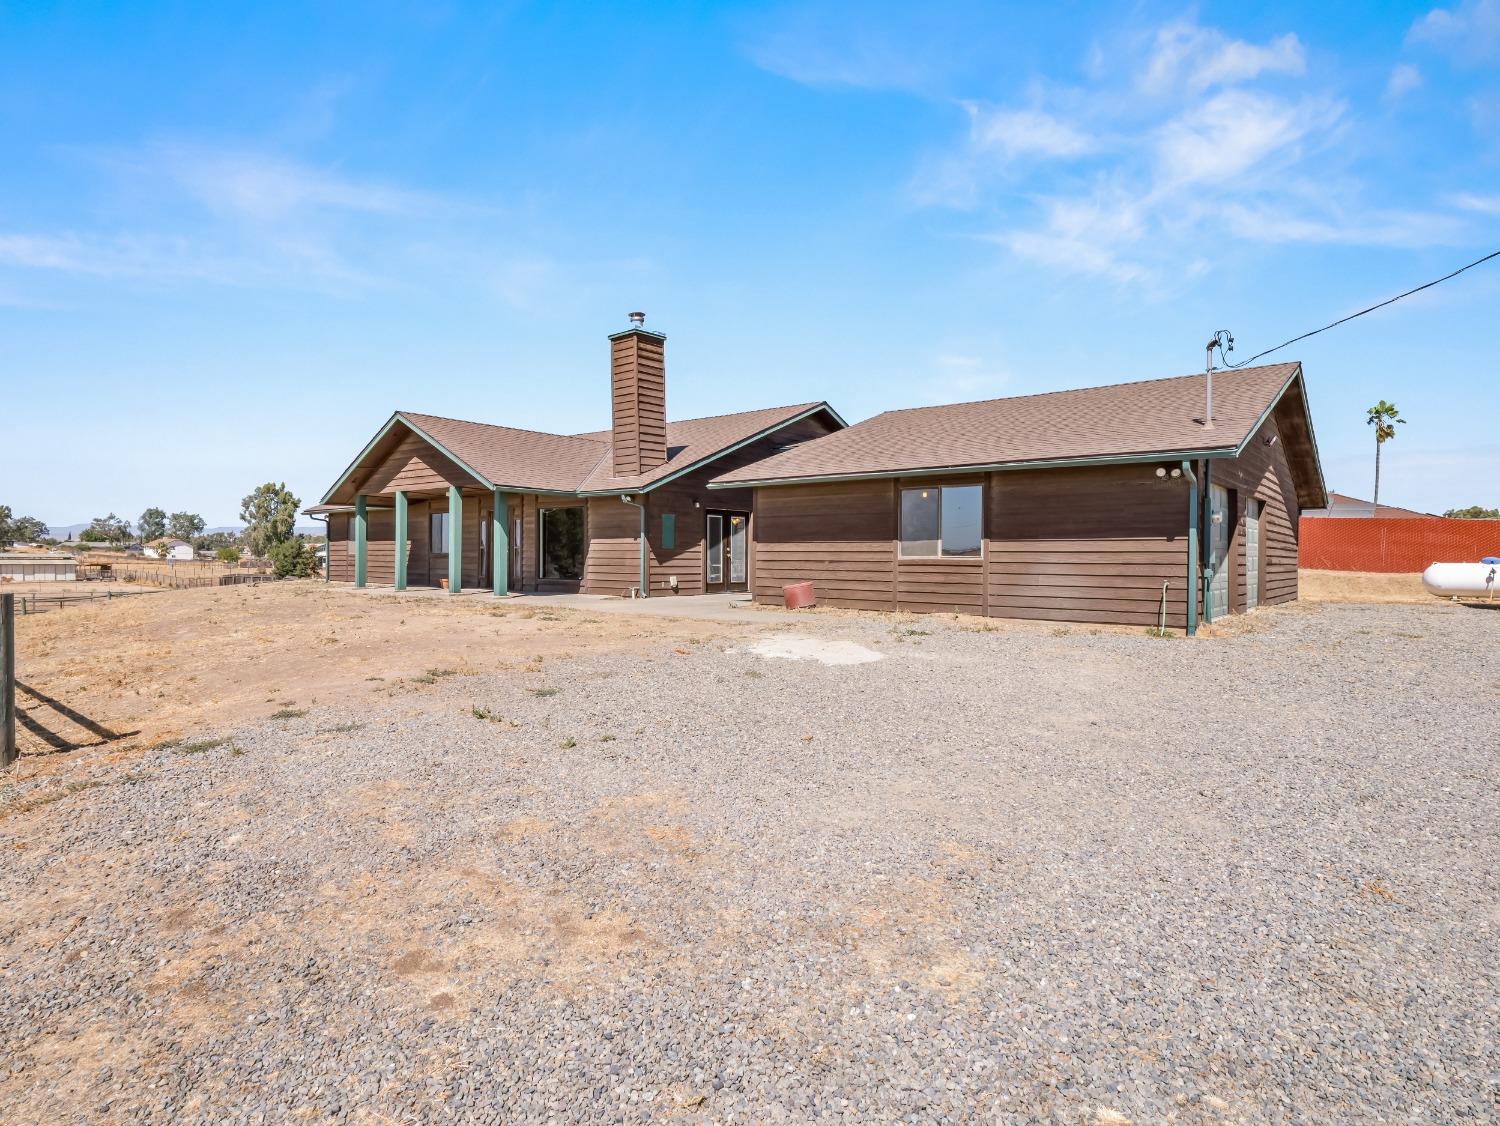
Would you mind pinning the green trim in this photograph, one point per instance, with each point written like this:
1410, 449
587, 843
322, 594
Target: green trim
370, 445
1192, 549
419, 432
446, 452
701, 462
400, 544
994, 467
500, 544
455, 539
361, 539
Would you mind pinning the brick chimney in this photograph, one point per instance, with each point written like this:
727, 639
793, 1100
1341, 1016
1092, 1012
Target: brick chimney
638, 390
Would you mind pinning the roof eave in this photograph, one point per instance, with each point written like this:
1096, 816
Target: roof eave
991, 467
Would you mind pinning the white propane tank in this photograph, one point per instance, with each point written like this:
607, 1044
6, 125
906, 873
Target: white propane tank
1462, 580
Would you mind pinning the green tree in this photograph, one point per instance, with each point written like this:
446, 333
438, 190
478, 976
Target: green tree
107, 529
291, 559
185, 525
19, 529
1383, 416
216, 541
270, 516
229, 554
28, 529
152, 525
1473, 512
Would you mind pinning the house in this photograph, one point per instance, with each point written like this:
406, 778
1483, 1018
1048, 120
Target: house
169, 548
1341, 507
1105, 504
612, 512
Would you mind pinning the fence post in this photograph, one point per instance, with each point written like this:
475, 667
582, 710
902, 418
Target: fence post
7, 679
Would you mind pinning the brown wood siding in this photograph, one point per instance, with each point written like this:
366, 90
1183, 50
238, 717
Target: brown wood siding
638, 391
340, 548
841, 536
685, 559
1087, 545
414, 466
1262, 472
612, 564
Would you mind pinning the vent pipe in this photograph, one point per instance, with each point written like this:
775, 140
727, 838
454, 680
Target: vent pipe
1223, 340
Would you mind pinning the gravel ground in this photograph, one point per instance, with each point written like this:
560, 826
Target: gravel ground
1076, 876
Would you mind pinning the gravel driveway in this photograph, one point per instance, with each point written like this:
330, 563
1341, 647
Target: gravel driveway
1074, 876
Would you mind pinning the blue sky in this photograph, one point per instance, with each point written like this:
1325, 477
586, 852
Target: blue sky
234, 238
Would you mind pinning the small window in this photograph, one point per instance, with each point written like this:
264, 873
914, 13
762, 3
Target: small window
938, 521
668, 530
439, 541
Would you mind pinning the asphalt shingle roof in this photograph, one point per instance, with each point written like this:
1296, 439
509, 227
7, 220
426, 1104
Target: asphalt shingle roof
569, 463
1118, 420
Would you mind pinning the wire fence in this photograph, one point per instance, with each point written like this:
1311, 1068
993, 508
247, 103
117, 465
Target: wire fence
36, 603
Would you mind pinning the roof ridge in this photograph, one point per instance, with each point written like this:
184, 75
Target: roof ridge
499, 426
1090, 387
726, 414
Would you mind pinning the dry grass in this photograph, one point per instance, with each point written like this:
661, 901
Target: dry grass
170, 665
1360, 586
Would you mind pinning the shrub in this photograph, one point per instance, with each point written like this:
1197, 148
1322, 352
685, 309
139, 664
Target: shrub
290, 559
228, 554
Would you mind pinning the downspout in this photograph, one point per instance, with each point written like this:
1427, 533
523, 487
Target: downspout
645, 584
1192, 552
327, 545
1206, 542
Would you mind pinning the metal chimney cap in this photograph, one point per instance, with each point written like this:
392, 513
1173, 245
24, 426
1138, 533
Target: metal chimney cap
638, 319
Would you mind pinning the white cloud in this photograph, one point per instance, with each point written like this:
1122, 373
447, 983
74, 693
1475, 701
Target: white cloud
1277, 224
1013, 133
1086, 235
1469, 31
1403, 80
1197, 58
959, 378
1233, 133
263, 185
1484, 204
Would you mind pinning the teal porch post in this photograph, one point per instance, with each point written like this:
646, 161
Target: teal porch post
400, 540
361, 539
455, 540
1192, 550
500, 543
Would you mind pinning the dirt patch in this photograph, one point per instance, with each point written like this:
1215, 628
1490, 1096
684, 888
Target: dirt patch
1360, 586
128, 673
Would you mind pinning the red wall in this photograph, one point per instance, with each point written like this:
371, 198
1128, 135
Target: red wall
1393, 544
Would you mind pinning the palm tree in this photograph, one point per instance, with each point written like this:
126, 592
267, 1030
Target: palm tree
1383, 416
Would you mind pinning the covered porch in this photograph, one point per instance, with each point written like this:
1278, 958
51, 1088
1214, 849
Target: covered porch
462, 539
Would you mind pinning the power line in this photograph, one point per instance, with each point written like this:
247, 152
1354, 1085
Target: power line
1362, 312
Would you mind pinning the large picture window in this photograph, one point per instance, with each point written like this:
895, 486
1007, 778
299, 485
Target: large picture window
942, 521
562, 543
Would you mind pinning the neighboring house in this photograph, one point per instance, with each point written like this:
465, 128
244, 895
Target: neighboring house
168, 548
1071, 506
134, 549
1341, 507
1078, 506
505, 509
